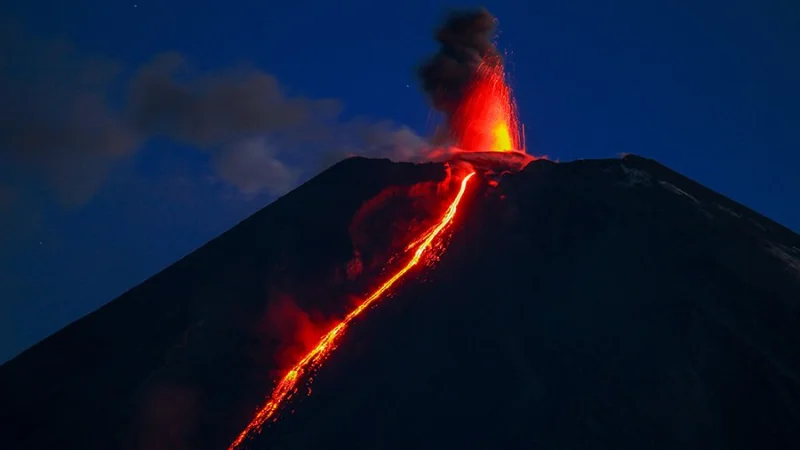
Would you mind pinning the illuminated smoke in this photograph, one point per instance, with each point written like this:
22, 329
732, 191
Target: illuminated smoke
294, 330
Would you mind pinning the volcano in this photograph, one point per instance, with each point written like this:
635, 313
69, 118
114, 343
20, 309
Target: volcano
592, 304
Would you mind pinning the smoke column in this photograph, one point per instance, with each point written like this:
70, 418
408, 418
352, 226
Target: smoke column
465, 80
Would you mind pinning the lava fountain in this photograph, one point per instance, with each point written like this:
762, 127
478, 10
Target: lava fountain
486, 120
465, 80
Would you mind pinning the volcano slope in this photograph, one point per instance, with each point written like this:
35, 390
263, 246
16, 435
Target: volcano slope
592, 304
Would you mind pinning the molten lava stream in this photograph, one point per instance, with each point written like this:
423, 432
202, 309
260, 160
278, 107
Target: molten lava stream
287, 387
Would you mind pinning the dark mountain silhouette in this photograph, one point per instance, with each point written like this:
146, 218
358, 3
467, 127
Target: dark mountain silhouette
593, 304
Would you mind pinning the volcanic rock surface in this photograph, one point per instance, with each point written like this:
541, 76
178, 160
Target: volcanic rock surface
597, 304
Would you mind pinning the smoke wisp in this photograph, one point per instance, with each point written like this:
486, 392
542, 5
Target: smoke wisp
67, 119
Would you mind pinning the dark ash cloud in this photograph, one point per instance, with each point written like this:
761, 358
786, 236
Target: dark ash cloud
465, 40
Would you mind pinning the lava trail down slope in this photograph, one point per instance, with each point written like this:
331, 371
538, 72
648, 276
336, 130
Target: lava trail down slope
602, 304
287, 386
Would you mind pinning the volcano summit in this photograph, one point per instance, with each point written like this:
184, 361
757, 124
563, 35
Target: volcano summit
592, 304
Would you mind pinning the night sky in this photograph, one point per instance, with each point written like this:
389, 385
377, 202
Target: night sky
99, 192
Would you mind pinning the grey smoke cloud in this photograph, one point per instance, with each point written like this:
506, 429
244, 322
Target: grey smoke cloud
382, 139
57, 120
211, 109
245, 164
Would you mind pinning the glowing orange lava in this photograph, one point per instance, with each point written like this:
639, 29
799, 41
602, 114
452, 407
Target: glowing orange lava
487, 118
287, 387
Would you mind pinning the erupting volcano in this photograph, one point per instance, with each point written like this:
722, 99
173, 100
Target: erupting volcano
481, 118
592, 304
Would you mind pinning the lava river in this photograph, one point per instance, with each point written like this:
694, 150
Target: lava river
287, 386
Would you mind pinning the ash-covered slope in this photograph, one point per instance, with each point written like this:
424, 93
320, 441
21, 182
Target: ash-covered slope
608, 304
593, 304
182, 360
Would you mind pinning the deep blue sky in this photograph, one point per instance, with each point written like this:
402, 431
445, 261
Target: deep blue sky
707, 87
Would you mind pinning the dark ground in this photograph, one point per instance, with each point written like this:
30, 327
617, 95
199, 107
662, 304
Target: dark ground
594, 304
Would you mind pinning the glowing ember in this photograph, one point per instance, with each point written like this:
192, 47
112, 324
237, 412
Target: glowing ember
287, 387
487, 118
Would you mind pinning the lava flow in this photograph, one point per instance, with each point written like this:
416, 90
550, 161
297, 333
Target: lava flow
287, 387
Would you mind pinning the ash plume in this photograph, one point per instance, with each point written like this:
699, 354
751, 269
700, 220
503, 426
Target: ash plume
66, 120
465, 40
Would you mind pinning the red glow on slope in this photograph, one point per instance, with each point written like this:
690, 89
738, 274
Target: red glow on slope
486, 121
287, 387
